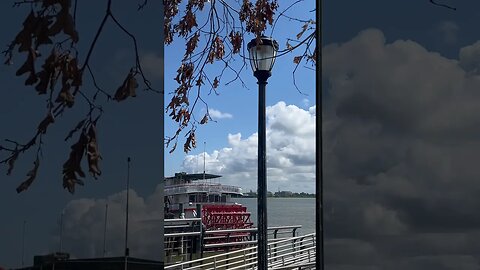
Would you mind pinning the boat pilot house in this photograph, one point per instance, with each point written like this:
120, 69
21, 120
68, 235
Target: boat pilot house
201, 195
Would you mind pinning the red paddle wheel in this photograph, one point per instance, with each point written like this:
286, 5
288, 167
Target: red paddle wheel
224, 217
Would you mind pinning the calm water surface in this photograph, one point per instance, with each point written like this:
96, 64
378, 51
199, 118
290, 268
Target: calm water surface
285, 211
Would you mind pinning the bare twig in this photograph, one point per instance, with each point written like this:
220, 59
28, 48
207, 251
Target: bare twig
442, 5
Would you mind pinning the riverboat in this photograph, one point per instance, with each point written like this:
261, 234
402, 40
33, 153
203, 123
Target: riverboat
196, 195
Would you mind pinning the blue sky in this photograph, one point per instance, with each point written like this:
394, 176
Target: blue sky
128, 129
240, 103
401, 138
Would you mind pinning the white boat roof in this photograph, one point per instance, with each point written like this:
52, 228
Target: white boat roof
192, 176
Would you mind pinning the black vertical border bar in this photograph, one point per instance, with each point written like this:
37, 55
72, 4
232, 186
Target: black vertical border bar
161, 161
320, 263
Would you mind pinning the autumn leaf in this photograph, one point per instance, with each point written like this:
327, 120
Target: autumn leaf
219, 48
11, 161
185, 25
204, 119
42, 127
65, 96
29, 66
93, 156
73, 166
289, 47
69, 27
48, 72
70, 180
192, 44
24, 37
41, 31
236, 39
199, 81
31, 176
127, 88
173, 148
132, 85
297, 59
304, 28
190, 142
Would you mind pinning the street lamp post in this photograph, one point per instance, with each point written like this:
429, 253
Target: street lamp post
262, 52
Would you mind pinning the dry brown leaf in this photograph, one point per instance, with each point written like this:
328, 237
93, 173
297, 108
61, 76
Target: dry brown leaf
132, 85
297, 59
65, 96
70, 180
93, 155
42, 127
29, 65
190, 142
69, 28
11, 161
204, 119
215, 82
24, 37
127, 88
31, 176
73, 164
192, 44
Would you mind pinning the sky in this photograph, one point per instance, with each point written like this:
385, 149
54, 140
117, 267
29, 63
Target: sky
133, 129
230, 141
401, 129
401, 135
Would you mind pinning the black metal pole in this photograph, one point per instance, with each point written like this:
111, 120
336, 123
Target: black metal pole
320, 261
262, 179
105, 231
23, 242
127, 252
61, 231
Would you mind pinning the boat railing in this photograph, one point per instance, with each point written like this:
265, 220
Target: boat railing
201, 187
185, 240
182, 238
293, 252
229, 238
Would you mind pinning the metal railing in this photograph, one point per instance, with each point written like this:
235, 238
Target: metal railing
229, 238
182, 238
295, 252
201, 187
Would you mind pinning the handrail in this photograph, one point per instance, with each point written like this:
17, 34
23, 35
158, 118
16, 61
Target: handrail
201, 187
182, 234
252, 229
172, 220
299, 251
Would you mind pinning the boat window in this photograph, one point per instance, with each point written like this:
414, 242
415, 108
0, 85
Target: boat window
191, 198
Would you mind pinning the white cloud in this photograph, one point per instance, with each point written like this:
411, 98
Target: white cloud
152, 65
216, 114
290, 153
470, 58
83, 226
401, 135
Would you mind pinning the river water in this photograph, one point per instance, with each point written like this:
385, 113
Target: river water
284, 212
